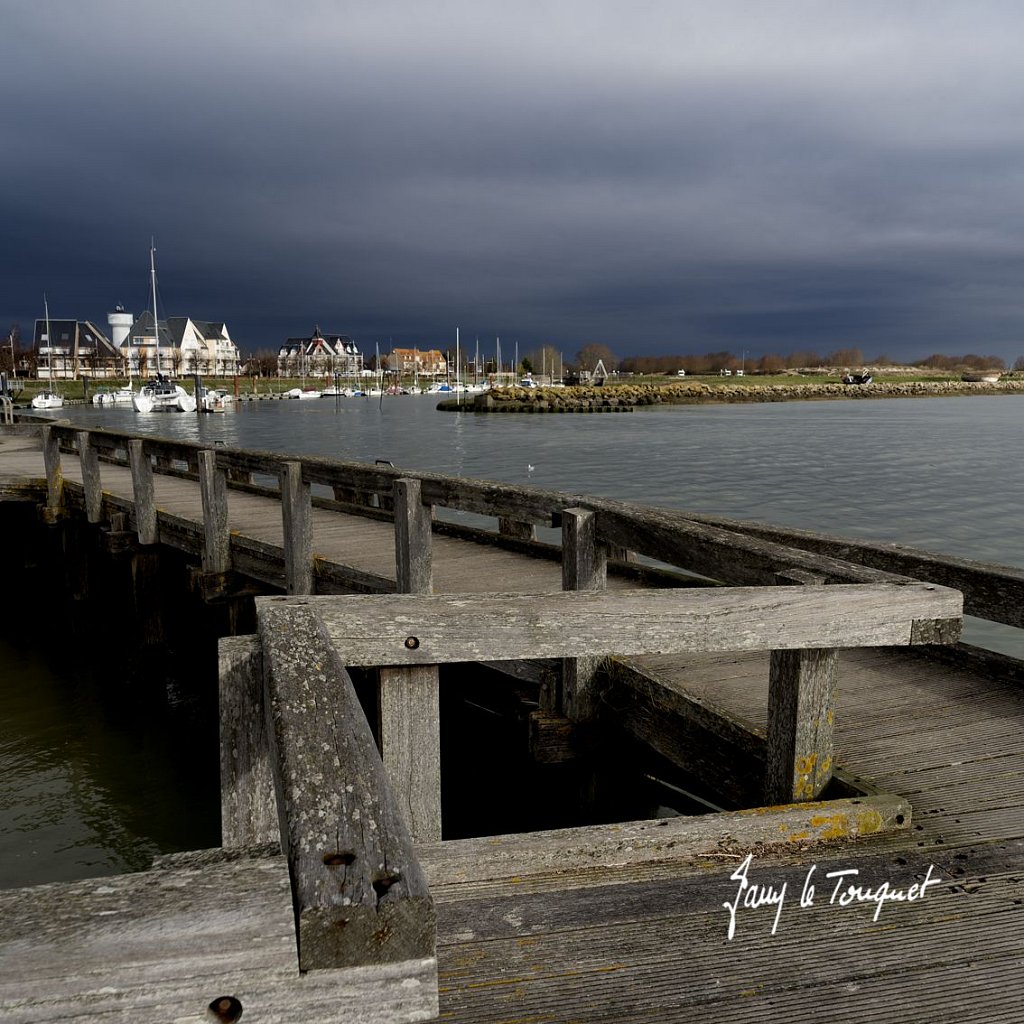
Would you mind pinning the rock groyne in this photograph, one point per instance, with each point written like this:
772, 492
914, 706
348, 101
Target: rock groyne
626, 397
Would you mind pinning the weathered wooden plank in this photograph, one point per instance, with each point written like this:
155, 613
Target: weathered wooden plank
91, 485
297, 512
54, 473
994, 592
248, 806
214, 496
164, 945
516, 528
716, 553
801, 722
584, 567
142, 491
358, 891
402, 630
413, 541
409, 717
573, 852
408, 699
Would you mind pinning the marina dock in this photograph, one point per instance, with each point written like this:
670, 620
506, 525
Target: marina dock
869, 865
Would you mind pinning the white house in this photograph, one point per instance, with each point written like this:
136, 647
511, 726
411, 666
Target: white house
186, 346
319, 354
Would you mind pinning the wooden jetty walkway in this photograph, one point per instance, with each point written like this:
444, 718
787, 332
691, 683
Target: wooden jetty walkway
872, 869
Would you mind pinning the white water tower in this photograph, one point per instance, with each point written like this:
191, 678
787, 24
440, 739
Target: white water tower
120, 324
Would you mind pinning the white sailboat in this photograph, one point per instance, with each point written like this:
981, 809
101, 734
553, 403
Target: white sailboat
48, 399
159, 394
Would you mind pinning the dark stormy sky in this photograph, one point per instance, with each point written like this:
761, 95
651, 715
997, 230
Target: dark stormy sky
663, 176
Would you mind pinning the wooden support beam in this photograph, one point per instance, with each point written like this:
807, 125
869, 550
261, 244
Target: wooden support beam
584, 567
142, 489
54, 472
413, 539
359, 893
91, 486
516, 528
213, 490
248, 806
408, 699
801, 722
163, 945
396, 629
297, 513
801, 715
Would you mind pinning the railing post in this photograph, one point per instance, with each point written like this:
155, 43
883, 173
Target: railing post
54, 472
516, 528
413, 539
408, 699
248, 806
584, 567
801, 716
90, 477
142, 489
213, 490
297, 513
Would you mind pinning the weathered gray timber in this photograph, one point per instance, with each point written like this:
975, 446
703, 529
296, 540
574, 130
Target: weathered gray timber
216, 537
801, 721
400, 630
408, 699
54, 471
91, 486
162, 945
576, 853
584, 567
994, 592
248, 806
142, 491
296, 513
358, 890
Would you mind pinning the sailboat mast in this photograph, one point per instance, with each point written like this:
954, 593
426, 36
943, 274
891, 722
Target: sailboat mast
156, 323
49, 342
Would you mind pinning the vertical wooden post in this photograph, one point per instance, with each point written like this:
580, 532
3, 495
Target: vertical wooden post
90, 477
413, 540
297, 513
408, 699
801, 717
213, 488
142, 489
584, 567
517, 529
54, 472
248, 806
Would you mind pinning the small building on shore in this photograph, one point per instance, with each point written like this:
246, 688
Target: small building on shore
411, 362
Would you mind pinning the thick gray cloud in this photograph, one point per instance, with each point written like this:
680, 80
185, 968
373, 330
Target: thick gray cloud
657, 176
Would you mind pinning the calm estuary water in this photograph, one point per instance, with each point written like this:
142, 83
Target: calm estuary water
78, 779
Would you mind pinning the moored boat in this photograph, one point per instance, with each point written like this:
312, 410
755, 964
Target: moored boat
47, 400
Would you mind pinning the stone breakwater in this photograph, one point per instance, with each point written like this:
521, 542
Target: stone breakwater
626, 397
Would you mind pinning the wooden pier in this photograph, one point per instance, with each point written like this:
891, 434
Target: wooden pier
815, 685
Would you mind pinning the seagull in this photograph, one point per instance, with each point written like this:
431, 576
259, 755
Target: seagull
530, 467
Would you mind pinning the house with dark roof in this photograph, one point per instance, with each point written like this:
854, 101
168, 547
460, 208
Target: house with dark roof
73, 349
186, 346
319, 354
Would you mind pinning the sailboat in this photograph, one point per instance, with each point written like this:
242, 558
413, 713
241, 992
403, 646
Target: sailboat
48, 399
159, 394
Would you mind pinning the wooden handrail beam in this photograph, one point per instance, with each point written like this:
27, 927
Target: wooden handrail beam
400, 630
